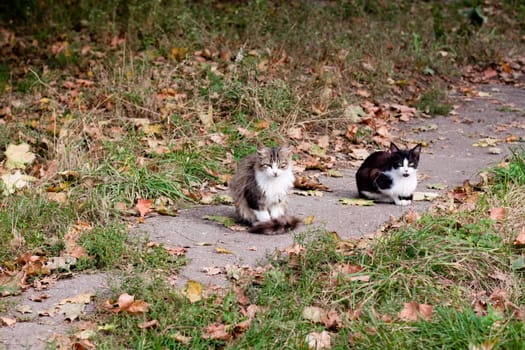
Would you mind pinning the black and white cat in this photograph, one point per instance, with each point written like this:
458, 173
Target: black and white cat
389, 176
260, 189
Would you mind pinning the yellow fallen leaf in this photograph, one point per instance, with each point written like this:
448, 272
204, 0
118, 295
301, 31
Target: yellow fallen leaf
309, 220
18, 156
361, 202
193, 291
223, 250
84, 298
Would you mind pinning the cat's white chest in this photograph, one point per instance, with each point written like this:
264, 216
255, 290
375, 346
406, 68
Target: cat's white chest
401, 185
275, 188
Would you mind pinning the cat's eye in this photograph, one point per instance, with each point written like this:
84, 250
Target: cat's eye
411, 164
283, 166
265, 165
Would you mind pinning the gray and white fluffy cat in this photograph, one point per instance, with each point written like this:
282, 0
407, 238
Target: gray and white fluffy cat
260, 190
389, 176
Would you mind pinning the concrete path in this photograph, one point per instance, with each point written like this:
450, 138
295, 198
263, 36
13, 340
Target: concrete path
497, 112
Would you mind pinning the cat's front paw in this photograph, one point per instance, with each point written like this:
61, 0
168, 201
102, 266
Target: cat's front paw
403, 202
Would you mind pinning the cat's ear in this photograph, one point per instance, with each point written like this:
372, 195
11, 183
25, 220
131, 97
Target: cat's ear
393, 148
416, 150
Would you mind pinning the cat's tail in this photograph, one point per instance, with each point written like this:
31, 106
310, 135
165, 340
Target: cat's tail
276, 226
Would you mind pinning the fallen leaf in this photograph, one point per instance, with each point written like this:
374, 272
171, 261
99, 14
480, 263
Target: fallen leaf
18, 156
518, 264
313, 313
8, 321
24, 309
221, 250
332, 320
243, 326
309, 220
240, 294
216, 331
361, 202
148, 324
13, 182
223, 220
60, 263
175, 251
39, 298
84, 298
127, 303
334, 173
359, 154
212, 270
354, 114
309, 193
319, 341
294, 249
193, 291
138, 307
143, 206
486, 142
177, 336
295, 133
305, 183
424, 196
72, 311
520, 239
497, 213
413, 311
436, 186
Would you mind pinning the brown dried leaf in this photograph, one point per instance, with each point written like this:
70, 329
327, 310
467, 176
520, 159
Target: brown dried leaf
295, 133
240, 294
294, 249
520, 239
216, 331
413, 310
243, 326
8, 321
138, 307
148, 324
143, 206
498, 213
304, 183
332, 320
